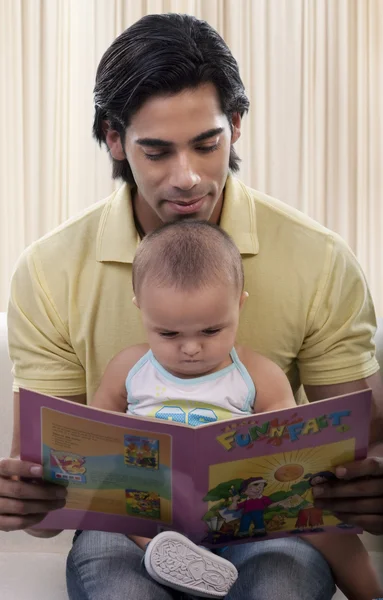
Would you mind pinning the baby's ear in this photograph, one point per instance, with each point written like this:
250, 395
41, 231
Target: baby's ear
135, 301
242, 299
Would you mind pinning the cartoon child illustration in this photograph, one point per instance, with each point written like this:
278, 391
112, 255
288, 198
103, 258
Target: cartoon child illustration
310, 518
253, 507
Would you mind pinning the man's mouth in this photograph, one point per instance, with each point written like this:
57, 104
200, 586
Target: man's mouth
187, 202
187, 206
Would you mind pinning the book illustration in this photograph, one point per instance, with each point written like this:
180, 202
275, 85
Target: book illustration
140, 503
141, 452
66, 466
274, 494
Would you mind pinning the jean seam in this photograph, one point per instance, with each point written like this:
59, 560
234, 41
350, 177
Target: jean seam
72, 566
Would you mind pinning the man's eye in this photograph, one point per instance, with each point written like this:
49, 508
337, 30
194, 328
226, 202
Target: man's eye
156, 156
211, 331
168, 334
206, 149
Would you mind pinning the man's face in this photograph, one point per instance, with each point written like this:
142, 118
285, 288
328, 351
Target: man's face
178, 149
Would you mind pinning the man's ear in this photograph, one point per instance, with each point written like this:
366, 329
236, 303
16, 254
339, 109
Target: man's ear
135, 301
235, 127
242, 299
113, 141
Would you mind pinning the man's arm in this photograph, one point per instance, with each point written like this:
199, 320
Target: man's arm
25, 499
44, 360
374, 382
357, 497
15, 447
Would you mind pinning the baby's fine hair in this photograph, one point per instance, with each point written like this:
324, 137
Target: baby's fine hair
187, 254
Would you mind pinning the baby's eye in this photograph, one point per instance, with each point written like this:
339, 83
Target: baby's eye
211, 331
168, 334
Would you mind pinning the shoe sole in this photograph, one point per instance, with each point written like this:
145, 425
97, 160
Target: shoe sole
173, 560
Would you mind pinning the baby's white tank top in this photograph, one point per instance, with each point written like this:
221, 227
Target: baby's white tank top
154, 392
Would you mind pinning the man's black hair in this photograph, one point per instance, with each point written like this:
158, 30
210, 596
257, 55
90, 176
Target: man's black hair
162, 55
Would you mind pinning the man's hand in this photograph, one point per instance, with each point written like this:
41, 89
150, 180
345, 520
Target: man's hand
357, 498
24, 498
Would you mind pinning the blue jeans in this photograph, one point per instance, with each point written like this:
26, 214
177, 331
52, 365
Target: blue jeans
108, 566
255, 517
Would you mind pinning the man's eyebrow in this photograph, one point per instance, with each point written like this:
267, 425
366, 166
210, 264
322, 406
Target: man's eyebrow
156, 142
207, 134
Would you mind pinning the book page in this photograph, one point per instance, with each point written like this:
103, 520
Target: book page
115, 470
123, 473
258, 480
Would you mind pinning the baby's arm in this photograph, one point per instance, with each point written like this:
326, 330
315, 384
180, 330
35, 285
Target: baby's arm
272, 386
346, 555
111, 393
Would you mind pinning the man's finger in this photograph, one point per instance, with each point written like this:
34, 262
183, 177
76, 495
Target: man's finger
12, 506
10, 523
367, 506
351, 489
13, 467
31, 491
369, 467
371, 523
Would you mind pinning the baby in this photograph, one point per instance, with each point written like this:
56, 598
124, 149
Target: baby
188, 283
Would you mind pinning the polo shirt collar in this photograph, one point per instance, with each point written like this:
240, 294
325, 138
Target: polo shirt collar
238, 216
117, 238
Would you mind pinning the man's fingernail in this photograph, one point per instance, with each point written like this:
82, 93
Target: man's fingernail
38, 471
317, 491
340, 472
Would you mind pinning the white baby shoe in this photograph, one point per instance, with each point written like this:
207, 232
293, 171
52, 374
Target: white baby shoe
173, 560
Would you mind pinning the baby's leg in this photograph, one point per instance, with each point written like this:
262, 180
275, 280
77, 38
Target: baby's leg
141, 542
351, 565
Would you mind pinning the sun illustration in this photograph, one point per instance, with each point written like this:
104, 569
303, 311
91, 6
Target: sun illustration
284, 469
289, 472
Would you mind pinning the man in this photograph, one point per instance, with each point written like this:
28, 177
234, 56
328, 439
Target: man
169, 102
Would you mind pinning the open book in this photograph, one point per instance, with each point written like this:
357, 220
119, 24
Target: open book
222, 482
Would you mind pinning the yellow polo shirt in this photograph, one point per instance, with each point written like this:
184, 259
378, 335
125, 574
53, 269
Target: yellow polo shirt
309, 307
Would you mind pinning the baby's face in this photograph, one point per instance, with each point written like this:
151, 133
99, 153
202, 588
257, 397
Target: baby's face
191, 333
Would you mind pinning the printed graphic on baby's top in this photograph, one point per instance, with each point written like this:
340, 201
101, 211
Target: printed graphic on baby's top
189, 412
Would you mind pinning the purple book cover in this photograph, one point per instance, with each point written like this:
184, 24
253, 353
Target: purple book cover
220, 483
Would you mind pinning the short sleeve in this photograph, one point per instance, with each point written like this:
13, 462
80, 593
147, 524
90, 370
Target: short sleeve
338, 346
39, 342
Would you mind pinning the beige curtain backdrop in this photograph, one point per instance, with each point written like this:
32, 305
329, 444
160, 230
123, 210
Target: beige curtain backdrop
313, 70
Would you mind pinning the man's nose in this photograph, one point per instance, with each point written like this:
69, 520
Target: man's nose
184, 175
